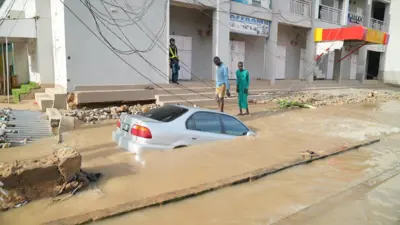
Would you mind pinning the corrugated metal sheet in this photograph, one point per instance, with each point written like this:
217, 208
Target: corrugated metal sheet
30, 124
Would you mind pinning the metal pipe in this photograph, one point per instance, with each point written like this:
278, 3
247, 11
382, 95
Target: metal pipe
351, 52
8, 73
13, 60
4, 69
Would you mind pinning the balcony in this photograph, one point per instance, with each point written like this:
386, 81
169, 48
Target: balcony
301, 7
329, 14
355, 19
377, 24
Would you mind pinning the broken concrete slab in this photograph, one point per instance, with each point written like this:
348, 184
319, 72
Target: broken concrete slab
27, 180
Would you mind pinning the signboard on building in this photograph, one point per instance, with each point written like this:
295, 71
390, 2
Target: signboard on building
260, 3
355, 19
249, 25
376, 48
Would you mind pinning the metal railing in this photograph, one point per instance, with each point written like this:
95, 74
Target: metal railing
377, 24
301, 7
355, 18
330, 14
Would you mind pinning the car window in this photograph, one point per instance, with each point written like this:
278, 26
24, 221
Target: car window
233, 126
204, 121
166, 113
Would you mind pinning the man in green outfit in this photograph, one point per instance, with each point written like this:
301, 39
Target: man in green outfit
242, 88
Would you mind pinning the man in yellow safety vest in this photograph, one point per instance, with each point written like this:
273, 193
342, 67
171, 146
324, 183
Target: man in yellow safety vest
174, 60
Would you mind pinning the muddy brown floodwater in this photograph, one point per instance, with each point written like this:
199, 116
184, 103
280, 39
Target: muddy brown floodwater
317, 193
356, 188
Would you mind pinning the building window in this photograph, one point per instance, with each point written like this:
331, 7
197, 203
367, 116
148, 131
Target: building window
258, 3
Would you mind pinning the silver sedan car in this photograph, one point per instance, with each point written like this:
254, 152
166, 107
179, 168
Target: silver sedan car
175, 126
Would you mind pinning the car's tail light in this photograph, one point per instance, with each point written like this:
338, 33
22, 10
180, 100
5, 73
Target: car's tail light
141, 131
119, 123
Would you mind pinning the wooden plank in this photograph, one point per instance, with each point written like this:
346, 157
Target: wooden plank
197, 190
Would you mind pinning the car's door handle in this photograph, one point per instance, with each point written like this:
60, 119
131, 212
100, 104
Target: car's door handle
195, 138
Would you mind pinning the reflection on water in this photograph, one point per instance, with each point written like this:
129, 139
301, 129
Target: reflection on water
299, 196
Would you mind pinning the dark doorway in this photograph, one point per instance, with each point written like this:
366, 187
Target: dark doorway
373, 65
378, 10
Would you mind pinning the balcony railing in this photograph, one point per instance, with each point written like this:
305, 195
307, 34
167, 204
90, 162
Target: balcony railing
377, 24
355, 19
301, 7
329, 14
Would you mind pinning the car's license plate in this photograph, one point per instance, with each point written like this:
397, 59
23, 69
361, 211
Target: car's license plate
125, 127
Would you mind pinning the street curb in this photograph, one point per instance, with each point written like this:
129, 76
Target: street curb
185, 193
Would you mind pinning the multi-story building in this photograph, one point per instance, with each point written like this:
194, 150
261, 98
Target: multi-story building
72, 44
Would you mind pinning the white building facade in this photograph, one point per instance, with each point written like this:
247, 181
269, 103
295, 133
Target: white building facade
71, 44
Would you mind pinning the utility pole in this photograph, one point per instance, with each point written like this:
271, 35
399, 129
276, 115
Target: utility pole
8, 75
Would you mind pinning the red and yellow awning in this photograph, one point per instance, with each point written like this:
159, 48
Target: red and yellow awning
358, 33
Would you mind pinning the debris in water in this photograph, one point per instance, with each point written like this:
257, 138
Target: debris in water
290, 103
309, 154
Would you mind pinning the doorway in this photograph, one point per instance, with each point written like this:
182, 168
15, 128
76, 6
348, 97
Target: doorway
237, 55
373, 65
184, 45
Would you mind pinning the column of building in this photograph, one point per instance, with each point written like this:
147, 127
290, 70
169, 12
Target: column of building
344, 64
362, 52
384, 61
270, 48
221, 33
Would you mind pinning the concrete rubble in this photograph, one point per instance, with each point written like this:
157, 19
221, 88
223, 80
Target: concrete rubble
93, 116
56, 174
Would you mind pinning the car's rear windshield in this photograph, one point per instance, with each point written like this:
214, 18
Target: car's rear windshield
165, 113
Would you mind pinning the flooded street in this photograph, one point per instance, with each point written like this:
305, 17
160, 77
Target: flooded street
353, 188
357, 187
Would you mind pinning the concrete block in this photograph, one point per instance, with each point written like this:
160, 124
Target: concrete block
44, 101
54, 116
83, 97
59, 97
70, 162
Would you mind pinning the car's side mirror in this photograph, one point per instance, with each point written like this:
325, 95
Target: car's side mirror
250, 133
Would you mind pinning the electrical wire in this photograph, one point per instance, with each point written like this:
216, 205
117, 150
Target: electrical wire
166, 48
120, 57
312, 66
131, 46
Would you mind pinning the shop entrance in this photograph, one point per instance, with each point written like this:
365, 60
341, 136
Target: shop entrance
373, 65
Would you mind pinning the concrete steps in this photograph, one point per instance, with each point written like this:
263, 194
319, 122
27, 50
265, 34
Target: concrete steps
194, 91
51, 98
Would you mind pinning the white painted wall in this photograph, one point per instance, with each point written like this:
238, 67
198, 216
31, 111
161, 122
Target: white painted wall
285, 35
59, 54
18, 28
21, 62
44, 47
188, 22
33, 66
92, 63
28, 6
391, 73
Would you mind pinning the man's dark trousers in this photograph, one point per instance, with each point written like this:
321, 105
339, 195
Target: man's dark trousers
175, 71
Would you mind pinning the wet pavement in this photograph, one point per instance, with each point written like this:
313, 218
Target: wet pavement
281, 137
